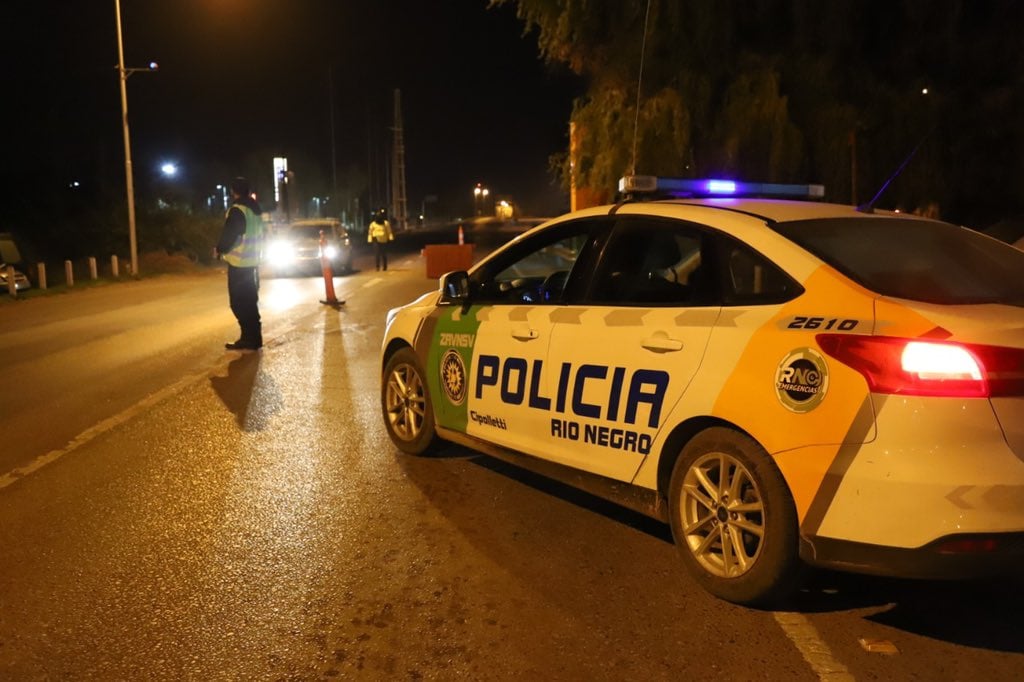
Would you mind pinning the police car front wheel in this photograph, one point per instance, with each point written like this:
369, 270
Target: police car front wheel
733, 519
405, 401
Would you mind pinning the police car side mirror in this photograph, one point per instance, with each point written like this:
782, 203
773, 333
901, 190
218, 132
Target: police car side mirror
455, 287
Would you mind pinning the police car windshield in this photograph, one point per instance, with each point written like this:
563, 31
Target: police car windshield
918, 260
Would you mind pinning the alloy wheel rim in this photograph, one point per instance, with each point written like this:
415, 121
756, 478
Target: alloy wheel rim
405, 402
723, 515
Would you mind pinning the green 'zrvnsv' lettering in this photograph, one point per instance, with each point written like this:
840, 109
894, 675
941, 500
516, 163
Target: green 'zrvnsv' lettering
449, 363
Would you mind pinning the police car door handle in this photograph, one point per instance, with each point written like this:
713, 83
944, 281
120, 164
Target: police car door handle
524, 333
661, 343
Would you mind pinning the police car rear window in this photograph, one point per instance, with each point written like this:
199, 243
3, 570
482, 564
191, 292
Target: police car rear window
918, 260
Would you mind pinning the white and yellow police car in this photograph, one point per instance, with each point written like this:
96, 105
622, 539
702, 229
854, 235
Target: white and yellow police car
784, 382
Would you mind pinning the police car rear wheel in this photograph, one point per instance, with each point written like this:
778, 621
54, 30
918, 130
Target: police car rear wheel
406, 404
734, 520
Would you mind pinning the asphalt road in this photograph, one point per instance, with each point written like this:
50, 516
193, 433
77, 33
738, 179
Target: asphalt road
172, 511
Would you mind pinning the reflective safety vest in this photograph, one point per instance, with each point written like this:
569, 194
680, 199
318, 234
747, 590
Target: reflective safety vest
379, 232
246, 253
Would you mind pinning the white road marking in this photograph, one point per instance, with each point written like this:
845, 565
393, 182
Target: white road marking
101, 428
810, 645
125, 415
370, 283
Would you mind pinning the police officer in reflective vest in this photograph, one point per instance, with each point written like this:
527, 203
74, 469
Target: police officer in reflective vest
379, 235
240, 245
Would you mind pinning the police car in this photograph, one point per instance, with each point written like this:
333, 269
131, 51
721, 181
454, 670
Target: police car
784, 382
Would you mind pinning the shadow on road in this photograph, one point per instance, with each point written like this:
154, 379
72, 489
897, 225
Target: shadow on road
978, 614
250, 395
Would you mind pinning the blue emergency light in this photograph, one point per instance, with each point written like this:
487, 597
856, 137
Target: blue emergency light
708, 187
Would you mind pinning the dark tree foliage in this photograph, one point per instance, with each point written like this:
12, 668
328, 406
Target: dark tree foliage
799, 91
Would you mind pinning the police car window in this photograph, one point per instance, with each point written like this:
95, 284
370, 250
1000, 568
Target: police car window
655, 263
915, 259
753, 279
536, 271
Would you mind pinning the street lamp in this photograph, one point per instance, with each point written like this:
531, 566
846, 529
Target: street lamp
124, 73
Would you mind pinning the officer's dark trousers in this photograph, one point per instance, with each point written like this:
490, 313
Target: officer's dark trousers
243, 295
382, 254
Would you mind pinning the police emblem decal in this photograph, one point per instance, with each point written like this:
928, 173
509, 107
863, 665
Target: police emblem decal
801, 380
453, 376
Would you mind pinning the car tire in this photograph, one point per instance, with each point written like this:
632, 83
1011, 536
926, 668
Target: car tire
738, 537
405, 402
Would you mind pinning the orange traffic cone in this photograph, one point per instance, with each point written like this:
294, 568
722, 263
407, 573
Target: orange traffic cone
325, 266
462, 236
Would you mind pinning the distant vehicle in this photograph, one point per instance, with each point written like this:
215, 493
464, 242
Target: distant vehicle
9, 253
21, 282
784, 383
294, 249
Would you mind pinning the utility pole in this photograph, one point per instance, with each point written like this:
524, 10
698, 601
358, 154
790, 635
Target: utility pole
853, 166
335, 200
398, 199
123, 74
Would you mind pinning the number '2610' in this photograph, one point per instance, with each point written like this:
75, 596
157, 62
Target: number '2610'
821, 323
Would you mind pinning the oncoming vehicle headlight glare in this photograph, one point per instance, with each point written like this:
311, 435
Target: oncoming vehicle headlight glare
280, 252
331, 251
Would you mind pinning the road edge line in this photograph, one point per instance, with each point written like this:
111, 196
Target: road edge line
812, 647
103, 427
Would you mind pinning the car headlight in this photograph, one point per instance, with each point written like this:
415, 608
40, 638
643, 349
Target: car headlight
280, 252
331, 251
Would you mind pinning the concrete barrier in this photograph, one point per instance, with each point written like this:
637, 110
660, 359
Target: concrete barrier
442, 258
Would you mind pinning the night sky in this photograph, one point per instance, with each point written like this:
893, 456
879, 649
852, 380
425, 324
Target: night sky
249, 79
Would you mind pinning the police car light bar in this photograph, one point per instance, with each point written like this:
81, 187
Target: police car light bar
689, 187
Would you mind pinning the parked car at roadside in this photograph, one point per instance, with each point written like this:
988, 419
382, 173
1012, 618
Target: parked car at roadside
21, 282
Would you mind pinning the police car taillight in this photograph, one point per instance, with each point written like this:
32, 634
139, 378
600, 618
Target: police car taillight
924, 367
968, 545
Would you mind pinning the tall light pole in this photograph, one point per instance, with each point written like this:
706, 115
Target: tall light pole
124, 73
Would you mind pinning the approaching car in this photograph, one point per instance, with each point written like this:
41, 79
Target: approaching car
784, 382
295, 248
21, 282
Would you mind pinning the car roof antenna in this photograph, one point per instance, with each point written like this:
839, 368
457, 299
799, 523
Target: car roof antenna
870, 206
639, 82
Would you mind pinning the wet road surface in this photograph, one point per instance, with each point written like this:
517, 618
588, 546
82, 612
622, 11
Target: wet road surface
172, 511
